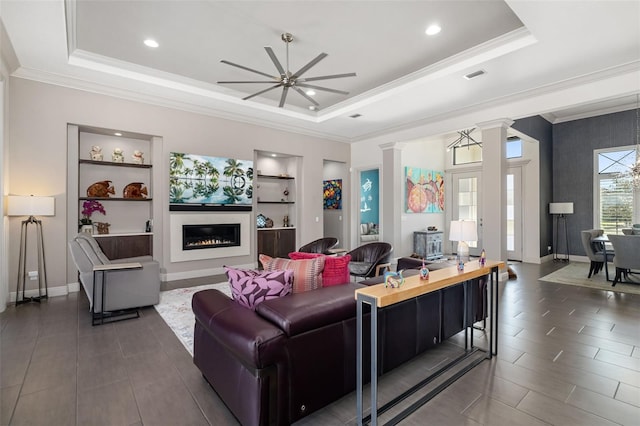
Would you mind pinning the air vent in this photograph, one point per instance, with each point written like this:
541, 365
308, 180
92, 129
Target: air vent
475, 74
355, 116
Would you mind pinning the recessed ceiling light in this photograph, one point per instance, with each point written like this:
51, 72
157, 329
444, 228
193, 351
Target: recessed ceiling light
273, 155
433, 29
151, 43
118, 134
313, 107
310, 92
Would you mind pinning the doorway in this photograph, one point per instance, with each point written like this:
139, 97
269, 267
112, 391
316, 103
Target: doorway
514, 213
466, 204
334, 201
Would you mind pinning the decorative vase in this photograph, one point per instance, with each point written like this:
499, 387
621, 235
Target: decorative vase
103, 227
87, 229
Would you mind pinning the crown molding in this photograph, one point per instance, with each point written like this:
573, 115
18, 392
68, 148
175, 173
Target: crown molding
191, 105
499, 46
596, 77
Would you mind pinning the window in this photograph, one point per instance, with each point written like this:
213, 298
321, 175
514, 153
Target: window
472, 153
618, 204
514, 148
465, 154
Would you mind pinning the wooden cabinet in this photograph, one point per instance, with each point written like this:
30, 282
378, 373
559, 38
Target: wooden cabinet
123, 246
428, 244
276, 242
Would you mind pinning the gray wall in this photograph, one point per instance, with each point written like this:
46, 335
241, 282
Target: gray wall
573, 145
541, 130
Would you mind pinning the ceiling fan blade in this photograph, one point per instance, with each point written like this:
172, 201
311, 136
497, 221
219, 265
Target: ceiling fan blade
249, 69
234, 82
283, 98
307, 97
309, 65
275, 60
327, 77
262, 91
326, 89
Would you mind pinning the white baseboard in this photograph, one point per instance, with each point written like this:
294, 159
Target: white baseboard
174, 276
62, 290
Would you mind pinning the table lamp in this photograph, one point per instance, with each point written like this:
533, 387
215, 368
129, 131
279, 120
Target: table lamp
32, 206
463, 231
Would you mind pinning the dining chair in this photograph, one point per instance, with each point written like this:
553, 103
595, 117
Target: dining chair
594, 252
626, 259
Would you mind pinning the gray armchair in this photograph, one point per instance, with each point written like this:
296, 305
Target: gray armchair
130, 283
594, 253
626, 260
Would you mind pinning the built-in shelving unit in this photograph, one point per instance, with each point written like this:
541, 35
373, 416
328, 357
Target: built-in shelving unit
275, 194
129, 218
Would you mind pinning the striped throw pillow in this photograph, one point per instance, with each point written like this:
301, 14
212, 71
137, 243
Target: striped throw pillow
307, 274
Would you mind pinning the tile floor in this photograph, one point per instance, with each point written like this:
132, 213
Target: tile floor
567, 356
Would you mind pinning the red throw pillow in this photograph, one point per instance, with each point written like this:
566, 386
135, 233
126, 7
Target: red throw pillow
336, 268
307, 273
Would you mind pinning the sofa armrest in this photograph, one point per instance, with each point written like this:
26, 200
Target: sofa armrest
255, 341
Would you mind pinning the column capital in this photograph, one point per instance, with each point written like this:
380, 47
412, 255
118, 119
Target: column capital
493, 124
392, 145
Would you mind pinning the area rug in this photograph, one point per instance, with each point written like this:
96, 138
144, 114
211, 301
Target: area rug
175, 310
576, 274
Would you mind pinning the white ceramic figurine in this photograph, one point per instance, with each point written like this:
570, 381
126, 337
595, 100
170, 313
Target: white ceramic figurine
137, 157
118, 156
96, 153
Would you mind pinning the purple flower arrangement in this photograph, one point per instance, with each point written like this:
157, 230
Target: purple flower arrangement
89, 207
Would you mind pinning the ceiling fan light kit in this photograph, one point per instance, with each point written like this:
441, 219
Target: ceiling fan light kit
288, 80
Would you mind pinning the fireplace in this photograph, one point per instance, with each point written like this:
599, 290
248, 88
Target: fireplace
241, 221
197, 237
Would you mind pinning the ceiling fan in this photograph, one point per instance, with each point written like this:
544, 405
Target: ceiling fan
288, 80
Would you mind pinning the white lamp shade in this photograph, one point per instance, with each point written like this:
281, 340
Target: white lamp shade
560, 208
29, 205
463, 230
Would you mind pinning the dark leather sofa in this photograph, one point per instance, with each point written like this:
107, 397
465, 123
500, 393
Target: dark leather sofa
296, 354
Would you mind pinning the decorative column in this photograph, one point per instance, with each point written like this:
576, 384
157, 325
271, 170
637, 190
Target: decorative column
493, 188
391, 196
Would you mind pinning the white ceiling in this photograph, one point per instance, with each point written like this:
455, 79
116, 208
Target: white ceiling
563, 60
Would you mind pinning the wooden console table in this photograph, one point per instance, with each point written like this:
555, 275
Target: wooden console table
379, 296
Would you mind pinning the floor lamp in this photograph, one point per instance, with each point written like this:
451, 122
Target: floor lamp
463, 231
25, 205
560, 211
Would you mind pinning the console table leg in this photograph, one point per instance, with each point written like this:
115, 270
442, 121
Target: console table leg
359, 360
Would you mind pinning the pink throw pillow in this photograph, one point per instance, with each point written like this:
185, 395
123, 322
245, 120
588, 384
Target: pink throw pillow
336, 268
307, 274
250, 288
